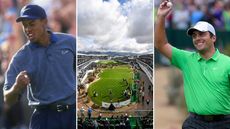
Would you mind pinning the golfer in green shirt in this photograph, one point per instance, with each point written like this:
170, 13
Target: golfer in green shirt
206, 74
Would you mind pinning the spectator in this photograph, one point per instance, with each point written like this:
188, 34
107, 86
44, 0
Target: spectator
143, 96
181, 17
226, 16
90, 112
95, 124
82, 110
196, 14
217, 12
99, 117
147, 101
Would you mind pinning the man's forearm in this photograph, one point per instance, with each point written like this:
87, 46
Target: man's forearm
160, 34
11, 96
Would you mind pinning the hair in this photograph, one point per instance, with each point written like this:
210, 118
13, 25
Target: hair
211, 34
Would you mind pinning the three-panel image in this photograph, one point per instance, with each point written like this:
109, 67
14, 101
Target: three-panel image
114, 64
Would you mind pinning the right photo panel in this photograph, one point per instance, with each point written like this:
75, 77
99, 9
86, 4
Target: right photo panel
115, 64
191, 40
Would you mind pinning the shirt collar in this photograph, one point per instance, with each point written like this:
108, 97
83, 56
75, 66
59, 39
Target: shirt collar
53, 38
214, 57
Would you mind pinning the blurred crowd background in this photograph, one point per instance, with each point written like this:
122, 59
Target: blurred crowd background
61, 18
188, 12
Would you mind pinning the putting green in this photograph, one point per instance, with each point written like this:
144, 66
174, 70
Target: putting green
111, 84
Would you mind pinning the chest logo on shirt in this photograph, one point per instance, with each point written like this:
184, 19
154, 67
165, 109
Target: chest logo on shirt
63, 52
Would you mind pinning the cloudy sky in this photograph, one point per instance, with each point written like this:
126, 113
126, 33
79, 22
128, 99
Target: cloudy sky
115, 25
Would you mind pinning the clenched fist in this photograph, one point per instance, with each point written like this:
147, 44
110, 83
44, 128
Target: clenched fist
22, 80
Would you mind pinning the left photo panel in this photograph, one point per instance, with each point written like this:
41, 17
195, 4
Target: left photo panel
38, 64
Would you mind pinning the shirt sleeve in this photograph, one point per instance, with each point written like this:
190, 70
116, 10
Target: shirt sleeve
10, 75
179, 57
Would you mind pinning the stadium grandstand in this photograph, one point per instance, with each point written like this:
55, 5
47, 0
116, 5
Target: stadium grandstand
123, 100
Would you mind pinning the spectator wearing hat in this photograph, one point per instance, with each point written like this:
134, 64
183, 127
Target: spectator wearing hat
205, 72
45, 66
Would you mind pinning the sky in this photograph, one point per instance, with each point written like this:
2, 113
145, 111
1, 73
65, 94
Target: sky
115, 25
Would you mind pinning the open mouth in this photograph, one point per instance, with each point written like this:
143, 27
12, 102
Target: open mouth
30, 36
199, 44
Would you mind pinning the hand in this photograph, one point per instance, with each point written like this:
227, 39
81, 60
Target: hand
164, 10
22, 80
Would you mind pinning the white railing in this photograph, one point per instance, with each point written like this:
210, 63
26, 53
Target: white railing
147, 69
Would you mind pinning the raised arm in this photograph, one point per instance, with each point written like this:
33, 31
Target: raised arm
161, 42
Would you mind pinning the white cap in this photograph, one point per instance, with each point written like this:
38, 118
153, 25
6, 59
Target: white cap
203, 27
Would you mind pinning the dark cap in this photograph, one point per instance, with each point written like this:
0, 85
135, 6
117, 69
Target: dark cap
31, 12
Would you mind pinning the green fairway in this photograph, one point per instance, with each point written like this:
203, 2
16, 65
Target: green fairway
111, 79
107, 62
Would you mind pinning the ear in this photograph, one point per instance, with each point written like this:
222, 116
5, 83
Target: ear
45, 23
214, 38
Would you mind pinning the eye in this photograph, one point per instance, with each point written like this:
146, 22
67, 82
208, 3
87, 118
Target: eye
193, 35
202, 34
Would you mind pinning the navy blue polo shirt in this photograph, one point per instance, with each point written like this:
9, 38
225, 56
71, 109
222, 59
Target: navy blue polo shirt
51, 70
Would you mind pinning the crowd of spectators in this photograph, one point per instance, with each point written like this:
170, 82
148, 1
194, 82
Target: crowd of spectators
118, 122
122, 121
188, 12
61, 16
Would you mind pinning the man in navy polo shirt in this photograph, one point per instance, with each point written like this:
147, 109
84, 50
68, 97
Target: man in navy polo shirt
45, 66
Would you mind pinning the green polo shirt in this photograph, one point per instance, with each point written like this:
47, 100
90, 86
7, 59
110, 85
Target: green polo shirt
206, 82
